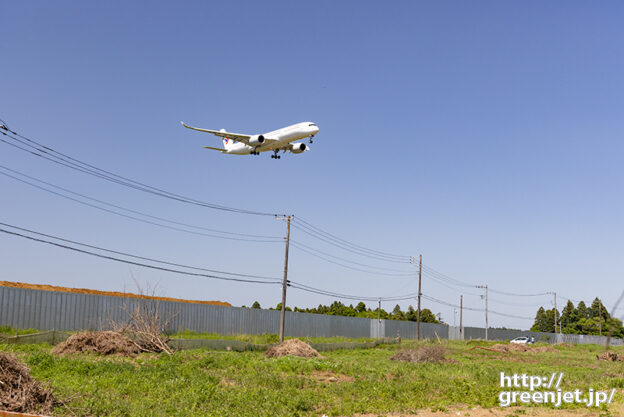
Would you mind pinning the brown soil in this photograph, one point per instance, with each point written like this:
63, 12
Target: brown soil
294, 347
19, 392
512, 347
327, 376
610, 356
109, 293
103, 343
432, 354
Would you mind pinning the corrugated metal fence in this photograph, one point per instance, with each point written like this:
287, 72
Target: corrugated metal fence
47, 310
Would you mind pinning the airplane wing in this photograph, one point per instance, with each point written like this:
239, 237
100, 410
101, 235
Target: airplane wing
215, 149
234, 136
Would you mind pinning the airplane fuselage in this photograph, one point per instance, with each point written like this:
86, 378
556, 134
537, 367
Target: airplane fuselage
282, 137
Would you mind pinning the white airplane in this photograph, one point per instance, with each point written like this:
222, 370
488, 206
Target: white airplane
275, 141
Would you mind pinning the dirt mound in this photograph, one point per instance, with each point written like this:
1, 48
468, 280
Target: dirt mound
103, 343
610, 356
19, 392
45, 287
510, 348
514, 347
294, 347
431, 354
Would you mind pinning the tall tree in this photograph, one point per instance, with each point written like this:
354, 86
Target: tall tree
397, 314
598, 310
581, 311
567, 314
540, 321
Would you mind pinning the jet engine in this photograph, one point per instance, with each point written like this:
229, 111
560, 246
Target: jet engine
298, 147
256, 140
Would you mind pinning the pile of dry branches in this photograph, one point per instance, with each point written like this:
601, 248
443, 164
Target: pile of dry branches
19, 392
145, 327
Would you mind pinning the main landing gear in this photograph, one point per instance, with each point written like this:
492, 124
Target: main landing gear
254, 153
276, 156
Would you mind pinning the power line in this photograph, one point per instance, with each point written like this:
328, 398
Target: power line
233, 236
344, 241
511, 294
265, 279
52, 155
435, 300
315, 252
349, 247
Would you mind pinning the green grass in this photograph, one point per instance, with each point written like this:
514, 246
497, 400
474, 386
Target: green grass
218, 383
10, 331
263, 339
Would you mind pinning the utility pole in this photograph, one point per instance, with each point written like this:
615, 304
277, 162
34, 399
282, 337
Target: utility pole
486, 309
379, 320
285, 283
461, 311
419, 294
555, 303
486, 313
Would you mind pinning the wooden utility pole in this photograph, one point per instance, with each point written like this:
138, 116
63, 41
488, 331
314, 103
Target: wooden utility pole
486, 313
285, 283
379, 320
461, 312
555, 303
419, 294
486, 309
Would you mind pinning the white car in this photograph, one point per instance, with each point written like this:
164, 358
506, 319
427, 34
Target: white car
521, 340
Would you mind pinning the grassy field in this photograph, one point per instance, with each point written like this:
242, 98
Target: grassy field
343, 383
265, 338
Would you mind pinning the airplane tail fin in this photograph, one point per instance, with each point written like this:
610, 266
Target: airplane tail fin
227, 143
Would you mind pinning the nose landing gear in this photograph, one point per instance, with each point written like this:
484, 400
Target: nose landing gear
311, 137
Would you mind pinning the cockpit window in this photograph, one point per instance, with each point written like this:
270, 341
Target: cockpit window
311, 124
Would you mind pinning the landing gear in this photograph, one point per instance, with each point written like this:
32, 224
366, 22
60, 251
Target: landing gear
275, 155
254, 153
311, 137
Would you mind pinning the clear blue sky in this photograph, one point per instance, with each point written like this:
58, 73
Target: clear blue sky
485, 135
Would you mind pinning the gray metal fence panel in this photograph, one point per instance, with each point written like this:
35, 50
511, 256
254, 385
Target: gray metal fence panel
474, 333
47, 310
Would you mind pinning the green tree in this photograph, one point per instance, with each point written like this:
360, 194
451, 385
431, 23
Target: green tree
255, 305
581, 311
426, 316
397, 314
360, 307
597, 310
540, 321
567, 315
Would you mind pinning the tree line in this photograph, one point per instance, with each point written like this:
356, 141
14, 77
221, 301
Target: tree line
594, 320
361, 310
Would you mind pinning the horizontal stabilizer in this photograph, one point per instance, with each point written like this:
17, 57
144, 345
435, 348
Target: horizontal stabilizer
215, 149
